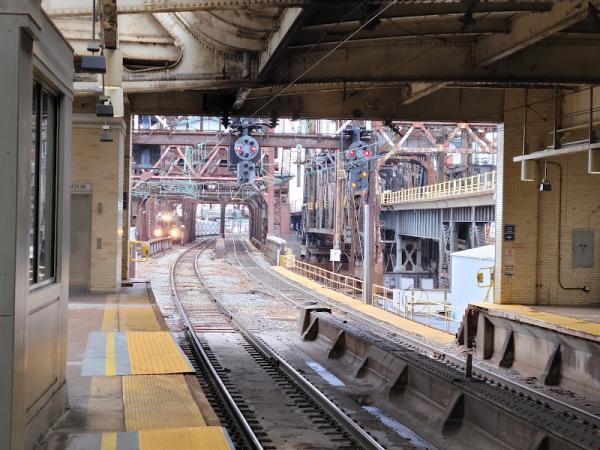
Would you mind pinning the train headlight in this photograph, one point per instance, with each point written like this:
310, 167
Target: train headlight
174, 233
158, 233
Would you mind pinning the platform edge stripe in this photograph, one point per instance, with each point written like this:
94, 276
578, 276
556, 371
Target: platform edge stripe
189, 363
155, 352
109, 318
110, 366
187, 438
95, 353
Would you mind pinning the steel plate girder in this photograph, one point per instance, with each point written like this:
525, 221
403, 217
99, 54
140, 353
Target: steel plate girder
84, 7
528, 29
564, 59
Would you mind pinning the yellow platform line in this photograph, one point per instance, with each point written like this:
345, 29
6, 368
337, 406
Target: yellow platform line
372, 311
109, 441
204, 438
159, 401
155, 353
110, 363
538, 317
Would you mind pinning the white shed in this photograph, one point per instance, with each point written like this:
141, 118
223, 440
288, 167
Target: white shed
465, 265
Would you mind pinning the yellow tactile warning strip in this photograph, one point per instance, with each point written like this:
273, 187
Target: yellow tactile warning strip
204, 438
526, 314
159, 401
376, 313
155, 353
138, 318
129, 312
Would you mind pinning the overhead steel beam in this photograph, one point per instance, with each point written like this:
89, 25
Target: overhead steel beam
433, 62
528, 29
156, 137
84, 7
287, 20
447, 104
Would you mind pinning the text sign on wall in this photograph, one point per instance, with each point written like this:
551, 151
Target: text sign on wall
509, 232
81, 188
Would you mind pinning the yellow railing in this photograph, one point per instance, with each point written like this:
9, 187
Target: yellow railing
427, 306
341, 283
477, 184
140, 250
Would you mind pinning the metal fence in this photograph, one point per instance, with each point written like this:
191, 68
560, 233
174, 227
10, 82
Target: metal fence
430, 307
341, 283
477, 184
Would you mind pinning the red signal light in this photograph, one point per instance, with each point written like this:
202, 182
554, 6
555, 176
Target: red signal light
353, 153
238, 149
253, 149
366, 152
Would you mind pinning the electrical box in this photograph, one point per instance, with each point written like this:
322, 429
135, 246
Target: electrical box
583, 248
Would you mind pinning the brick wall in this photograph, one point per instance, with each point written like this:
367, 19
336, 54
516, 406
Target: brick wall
101, 164
526, 268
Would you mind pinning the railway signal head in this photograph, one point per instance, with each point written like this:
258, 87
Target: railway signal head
246, 172
247, 148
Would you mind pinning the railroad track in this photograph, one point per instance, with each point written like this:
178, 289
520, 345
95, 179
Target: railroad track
297, 296
262, 400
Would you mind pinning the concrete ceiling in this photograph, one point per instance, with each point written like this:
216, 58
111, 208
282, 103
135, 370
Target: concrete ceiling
413, 60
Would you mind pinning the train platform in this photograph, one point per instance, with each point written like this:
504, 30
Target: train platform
557, 345
130, 386
405, 325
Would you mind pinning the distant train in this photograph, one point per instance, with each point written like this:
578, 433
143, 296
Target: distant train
207, 227
169, 225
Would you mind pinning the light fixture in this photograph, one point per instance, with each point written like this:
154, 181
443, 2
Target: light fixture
115, 96
93, 63
113, 78
594, 160
545, 185
528, 170
106, 135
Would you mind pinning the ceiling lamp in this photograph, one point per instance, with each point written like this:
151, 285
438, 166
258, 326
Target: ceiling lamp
594, 160
528, 170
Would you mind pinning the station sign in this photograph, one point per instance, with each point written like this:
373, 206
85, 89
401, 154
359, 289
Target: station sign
509, 232
81, 188
335, 255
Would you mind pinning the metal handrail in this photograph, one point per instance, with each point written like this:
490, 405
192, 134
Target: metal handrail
342, 283
477, 184
415, 304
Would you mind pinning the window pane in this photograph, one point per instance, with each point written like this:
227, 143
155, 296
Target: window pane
46, 180
33, 199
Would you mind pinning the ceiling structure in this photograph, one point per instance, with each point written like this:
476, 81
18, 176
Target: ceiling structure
409, 60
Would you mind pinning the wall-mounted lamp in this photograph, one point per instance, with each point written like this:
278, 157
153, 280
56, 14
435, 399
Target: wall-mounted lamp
545, 185
105, 134
528, 170
594, 160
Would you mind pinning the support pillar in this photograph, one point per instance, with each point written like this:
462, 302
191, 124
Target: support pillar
222, 224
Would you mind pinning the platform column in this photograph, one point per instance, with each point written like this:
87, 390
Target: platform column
517, 201
101, 164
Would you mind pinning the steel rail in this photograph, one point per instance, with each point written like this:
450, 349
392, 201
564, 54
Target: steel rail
199, 350
360, 435
478, 370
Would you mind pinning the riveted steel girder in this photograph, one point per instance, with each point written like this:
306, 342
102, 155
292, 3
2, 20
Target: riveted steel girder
84, 7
